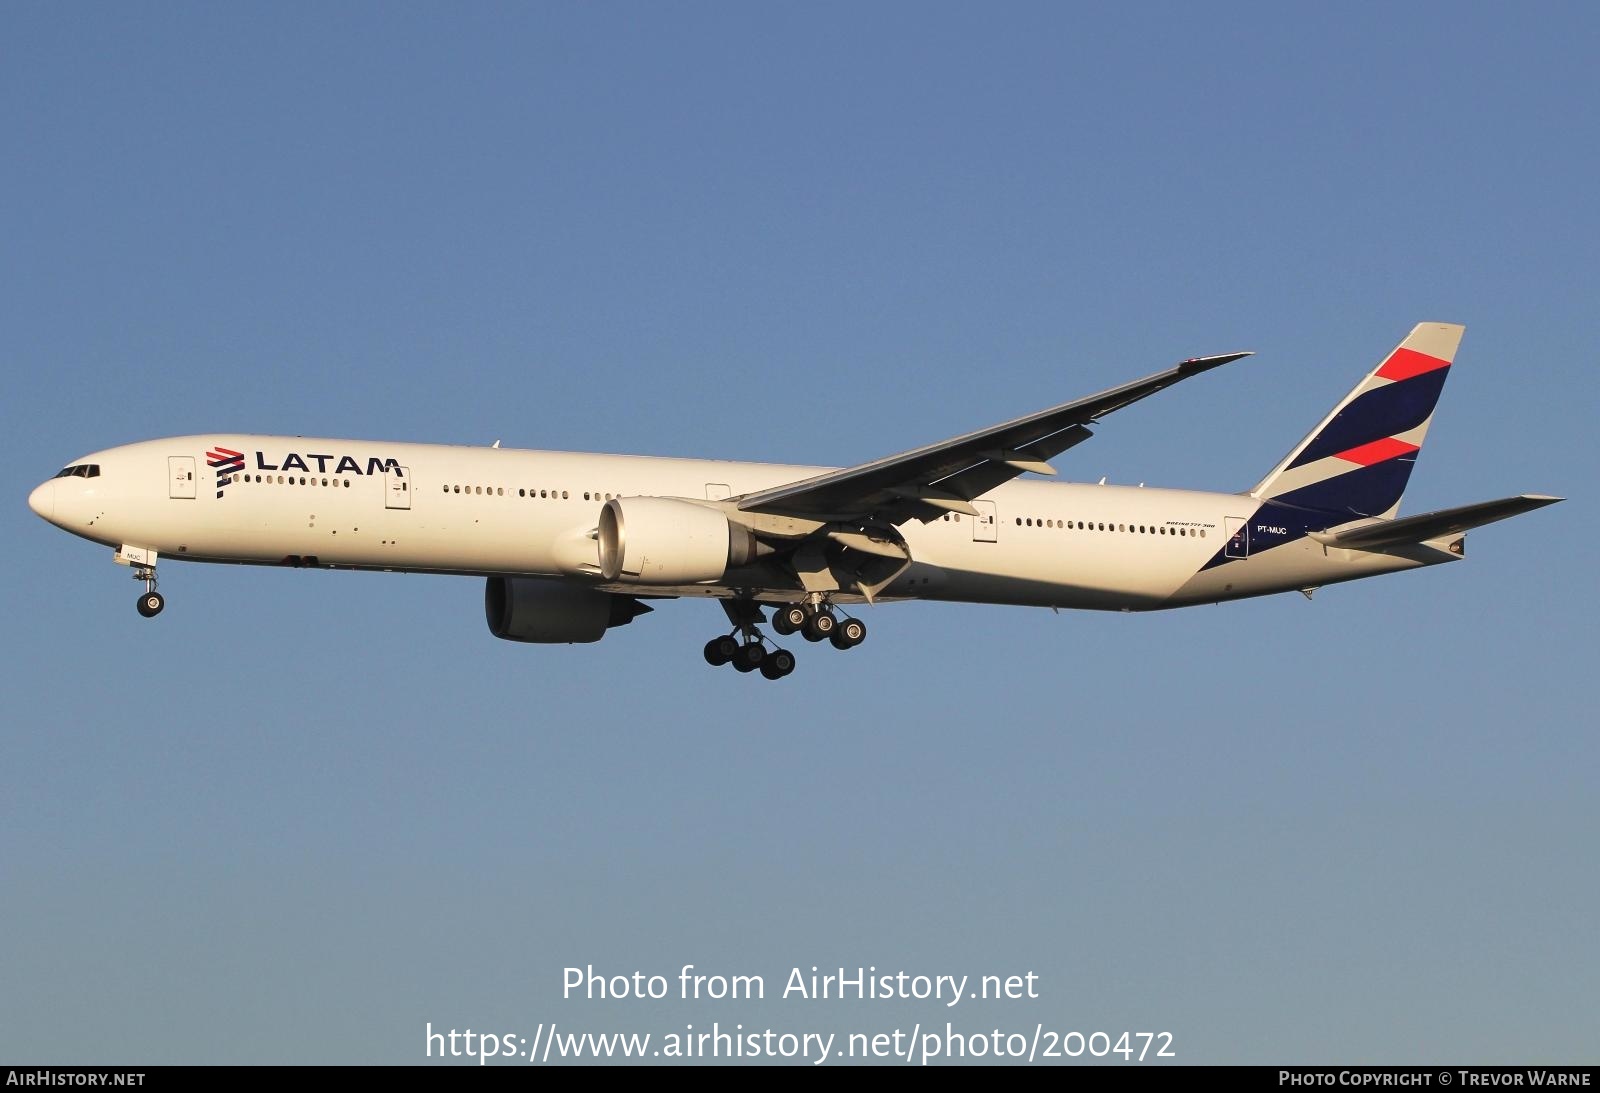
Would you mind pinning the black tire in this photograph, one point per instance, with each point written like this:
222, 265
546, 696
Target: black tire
749, 657
852, 632
720, 650
819, 626
778, 664
789, 619
150, 604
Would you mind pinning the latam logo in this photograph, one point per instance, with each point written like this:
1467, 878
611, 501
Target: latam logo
227, 463
345, 464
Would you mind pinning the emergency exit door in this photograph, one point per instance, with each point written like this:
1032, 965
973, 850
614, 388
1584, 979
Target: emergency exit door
986, 525
1238, 537
180, 476
397, 488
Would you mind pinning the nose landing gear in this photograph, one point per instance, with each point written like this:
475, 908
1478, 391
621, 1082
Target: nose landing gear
150, 601
142, 561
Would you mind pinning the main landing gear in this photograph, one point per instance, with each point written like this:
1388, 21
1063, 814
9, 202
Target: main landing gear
749, 655
816, 622
150, 601
745, 647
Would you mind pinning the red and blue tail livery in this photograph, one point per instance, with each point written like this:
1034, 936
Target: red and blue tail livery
1358, 461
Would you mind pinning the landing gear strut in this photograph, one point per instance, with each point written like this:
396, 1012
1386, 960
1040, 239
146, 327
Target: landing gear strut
150, 601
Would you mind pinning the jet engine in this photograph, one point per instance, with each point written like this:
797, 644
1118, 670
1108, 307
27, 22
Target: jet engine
663, 540
539, 610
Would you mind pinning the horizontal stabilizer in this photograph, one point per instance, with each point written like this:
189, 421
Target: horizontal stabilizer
1431, 525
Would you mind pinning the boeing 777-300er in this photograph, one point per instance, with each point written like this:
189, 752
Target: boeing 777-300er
572, 544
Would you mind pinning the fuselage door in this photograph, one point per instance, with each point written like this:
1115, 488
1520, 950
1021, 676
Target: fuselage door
986, 527
180, 476
397, 488
1238, 537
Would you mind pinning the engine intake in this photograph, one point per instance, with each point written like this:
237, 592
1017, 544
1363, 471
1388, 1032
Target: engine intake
550, 612
664, 540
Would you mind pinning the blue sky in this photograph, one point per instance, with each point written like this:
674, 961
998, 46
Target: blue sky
302, 814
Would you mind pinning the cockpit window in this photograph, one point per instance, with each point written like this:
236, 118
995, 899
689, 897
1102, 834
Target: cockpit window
80, 470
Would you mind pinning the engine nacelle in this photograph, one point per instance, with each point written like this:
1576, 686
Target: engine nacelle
662, 540
546, 611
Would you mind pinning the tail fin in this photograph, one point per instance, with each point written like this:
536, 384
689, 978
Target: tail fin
1356, 463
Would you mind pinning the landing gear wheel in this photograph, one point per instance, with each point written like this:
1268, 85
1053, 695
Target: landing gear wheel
720, 650
750, 657
788, 618
849, 634
150, 604
778, 664
819, 626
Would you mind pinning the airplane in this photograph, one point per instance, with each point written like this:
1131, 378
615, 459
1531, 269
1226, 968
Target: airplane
573, 544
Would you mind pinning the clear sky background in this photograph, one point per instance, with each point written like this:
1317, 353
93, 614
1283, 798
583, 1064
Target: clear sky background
302, 814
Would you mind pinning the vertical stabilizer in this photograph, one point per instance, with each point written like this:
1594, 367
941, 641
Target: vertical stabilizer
1356, 463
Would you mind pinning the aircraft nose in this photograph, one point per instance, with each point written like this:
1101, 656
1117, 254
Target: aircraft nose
43, 499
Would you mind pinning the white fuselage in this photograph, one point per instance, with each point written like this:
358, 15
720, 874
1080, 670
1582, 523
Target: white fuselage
497, 511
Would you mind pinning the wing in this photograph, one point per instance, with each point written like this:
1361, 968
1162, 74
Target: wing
927, 482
